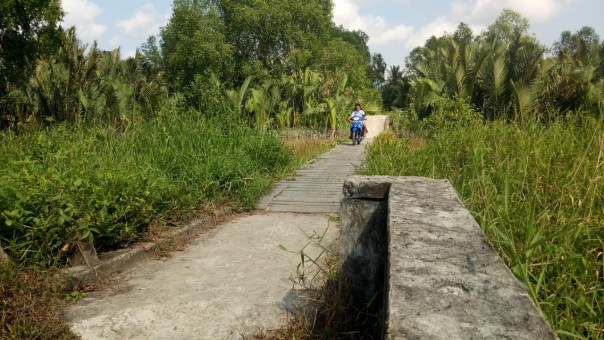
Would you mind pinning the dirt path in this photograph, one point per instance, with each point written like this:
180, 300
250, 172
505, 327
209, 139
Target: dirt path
234, 280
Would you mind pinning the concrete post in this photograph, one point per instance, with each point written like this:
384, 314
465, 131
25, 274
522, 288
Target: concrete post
85, 255
440, 277
3, 256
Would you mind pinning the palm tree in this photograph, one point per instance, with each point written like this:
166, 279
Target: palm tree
395, 92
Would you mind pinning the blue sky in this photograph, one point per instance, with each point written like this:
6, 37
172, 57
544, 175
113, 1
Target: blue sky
394, 26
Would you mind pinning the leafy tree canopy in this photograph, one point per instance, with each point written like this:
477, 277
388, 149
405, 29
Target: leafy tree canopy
276, 35
28, 29
194, 42
507, 26
236, 39
583, 43
356, 38
377, 70
463, 35
339, 54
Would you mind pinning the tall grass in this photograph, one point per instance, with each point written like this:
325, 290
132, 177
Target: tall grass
306, 145
538, 193
66, 183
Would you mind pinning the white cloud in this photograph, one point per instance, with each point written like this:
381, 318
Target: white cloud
391, 35
129, 54
437, 27
379, 30
485, 11
83, 14
145, 22
395, 40
115, 42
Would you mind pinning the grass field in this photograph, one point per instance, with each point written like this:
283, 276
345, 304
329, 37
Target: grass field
538, 193
68, 183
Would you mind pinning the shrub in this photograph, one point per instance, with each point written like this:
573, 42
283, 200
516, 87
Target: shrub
64, 184
450, 113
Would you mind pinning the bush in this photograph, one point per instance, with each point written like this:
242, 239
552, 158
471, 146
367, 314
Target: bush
450, 113
64, 184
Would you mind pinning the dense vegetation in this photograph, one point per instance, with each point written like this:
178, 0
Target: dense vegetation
520, 136
96, 147
66, 184
504, 72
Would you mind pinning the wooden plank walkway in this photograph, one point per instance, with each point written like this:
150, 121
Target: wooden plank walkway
318, 187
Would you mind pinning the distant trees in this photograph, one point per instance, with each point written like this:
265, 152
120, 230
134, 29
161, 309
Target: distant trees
238, 39
377, 70
395, 91
581, 45
280, 62
269, 63
503, 72
194, 42
98, 87
275, 36
28, 30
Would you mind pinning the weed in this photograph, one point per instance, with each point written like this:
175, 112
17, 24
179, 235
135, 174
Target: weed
326, 309
30, 304
306, 146
68, 183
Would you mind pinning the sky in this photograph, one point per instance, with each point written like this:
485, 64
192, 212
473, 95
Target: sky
394, 27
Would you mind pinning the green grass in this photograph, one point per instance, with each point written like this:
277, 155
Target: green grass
68, 183
538, 193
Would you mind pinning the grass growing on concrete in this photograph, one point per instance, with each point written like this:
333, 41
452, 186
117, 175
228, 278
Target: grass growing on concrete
326, 310
538, 193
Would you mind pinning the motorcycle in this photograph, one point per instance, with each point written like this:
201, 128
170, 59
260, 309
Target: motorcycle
356, 129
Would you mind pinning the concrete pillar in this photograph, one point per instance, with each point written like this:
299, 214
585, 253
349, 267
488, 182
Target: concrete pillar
3, 256
85, 255
440, 278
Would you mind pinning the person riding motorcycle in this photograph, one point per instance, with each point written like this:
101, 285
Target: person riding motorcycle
360, 114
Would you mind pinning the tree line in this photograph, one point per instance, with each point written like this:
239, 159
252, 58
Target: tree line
282, 63
503, 72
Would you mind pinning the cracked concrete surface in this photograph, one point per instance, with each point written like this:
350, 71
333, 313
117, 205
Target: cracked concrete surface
230, 282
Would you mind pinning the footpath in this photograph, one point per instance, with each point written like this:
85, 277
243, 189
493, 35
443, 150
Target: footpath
234, 281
